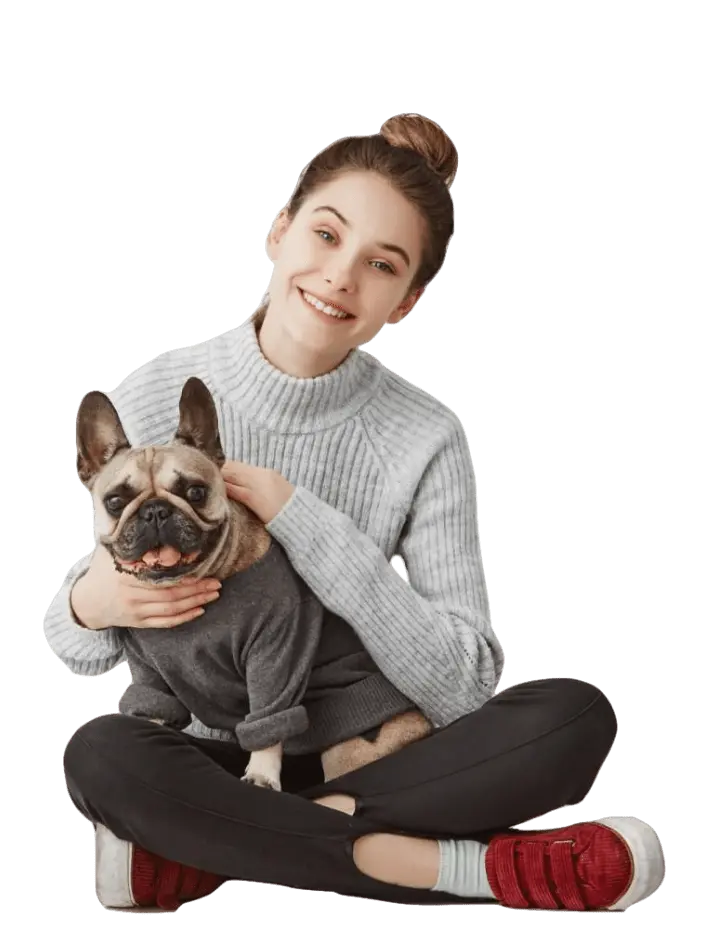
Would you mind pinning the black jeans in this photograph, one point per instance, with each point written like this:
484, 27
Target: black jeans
530, 749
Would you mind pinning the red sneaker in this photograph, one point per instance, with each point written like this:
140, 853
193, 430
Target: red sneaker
128, 876
605, 865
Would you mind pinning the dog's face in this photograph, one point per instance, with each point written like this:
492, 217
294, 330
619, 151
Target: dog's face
159, 510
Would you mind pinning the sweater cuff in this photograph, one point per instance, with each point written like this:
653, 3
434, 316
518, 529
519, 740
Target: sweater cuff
147, 702
76, 621
298, 518
269, 730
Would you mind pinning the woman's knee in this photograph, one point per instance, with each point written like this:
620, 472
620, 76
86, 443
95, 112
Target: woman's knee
554, 702
578, 701
576, 693
87, 765
93, 746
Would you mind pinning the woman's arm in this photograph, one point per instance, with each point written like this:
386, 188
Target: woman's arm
431, 637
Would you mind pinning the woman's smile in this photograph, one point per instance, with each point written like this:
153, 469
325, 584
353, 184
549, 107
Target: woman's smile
328, 313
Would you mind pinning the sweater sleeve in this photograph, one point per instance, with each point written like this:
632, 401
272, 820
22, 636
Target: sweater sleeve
277, 663
432, 637
149, 696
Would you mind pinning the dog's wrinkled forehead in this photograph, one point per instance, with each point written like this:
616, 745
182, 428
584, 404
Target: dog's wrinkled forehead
160, 470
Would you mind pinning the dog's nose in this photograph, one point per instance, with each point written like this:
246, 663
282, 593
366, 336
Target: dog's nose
154, 511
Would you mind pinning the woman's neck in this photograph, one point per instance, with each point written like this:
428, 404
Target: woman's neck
279, 351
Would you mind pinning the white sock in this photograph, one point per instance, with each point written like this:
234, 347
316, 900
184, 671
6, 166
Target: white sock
462, 869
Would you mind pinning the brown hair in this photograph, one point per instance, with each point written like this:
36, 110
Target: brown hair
414, 154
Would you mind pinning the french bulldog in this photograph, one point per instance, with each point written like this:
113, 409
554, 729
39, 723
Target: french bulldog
162, 513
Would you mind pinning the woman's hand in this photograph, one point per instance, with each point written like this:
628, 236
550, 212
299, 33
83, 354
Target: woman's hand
263, 490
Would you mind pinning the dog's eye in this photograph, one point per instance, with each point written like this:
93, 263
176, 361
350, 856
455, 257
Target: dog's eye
197, 493
114, 505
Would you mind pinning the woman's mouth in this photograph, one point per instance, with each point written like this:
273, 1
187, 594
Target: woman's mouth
329, 313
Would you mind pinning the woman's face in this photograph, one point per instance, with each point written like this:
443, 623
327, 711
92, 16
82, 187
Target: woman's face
356, 243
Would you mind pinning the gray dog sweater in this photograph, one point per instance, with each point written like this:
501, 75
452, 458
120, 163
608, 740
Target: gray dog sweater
265, 661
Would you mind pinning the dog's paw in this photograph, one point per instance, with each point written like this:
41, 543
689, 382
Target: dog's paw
261, 780
160, 722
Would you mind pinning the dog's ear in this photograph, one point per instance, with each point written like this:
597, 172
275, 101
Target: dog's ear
99, 435
198, 421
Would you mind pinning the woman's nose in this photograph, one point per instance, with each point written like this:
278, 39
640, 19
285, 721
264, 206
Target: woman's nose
341, 276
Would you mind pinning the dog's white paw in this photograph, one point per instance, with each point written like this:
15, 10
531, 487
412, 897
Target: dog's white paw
264, 767
261, 780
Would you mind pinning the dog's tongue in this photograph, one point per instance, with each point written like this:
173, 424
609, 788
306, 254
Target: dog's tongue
167, 556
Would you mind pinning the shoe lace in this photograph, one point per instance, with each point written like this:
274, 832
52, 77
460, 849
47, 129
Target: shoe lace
538, 874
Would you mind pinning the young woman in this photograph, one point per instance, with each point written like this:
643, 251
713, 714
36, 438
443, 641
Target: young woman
347, 464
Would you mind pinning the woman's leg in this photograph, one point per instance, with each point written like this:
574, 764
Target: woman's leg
530, 749
182, 799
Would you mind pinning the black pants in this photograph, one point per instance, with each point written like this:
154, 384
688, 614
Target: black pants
530, 749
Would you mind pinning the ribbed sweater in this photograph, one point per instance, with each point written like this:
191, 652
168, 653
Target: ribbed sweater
380, 468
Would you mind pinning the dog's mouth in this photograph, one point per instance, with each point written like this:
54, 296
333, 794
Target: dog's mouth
163, 562
169, 557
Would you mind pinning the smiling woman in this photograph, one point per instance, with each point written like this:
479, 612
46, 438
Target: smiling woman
348, 465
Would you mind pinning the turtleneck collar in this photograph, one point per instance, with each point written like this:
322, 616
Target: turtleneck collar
243, 376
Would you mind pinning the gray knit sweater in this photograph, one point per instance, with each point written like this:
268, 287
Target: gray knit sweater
380, 468
267, 662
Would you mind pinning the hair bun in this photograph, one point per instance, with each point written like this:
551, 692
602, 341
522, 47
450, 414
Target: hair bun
422, 135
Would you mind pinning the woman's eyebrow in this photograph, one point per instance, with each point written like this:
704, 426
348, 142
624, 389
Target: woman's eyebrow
390, 248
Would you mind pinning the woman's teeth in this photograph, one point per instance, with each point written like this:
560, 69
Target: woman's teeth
323, 307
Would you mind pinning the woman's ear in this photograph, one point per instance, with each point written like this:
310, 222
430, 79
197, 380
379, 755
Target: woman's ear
279, 227
402, 309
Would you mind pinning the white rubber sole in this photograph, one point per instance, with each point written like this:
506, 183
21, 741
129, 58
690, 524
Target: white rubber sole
113, 873
113, 862
646, 854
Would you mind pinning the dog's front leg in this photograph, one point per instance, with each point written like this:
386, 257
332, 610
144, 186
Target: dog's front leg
264, 767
